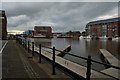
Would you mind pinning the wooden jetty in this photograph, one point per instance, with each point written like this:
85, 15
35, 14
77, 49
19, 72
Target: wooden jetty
67, 48
109, 57
113, 61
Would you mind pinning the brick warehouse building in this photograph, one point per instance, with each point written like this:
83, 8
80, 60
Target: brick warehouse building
104, 28
3, 25
43, 31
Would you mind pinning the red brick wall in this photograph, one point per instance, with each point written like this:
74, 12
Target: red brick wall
40, 29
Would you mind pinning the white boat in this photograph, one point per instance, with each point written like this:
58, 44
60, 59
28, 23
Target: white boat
85, 37
118, 38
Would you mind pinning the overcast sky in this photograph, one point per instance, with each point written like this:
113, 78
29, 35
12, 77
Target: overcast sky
61, 16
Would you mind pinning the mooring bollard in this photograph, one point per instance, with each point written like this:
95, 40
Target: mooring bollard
88, 68
40, 53
53, 61
32, 49
28, 46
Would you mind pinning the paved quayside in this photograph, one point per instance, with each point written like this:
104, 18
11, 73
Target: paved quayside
16, 64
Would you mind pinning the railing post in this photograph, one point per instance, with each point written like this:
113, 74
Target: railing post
28, 46
32, 49
16, 40
88, 68
25, 43
53, 61
21, 41
40, 53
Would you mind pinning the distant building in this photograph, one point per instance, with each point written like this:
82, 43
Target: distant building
57, 34
3, 25
28, 32
73, 34
104, 28
42, 31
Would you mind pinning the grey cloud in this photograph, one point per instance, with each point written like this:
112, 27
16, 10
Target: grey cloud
63, 15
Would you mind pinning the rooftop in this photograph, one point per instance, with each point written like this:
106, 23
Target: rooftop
43, 26
105, 21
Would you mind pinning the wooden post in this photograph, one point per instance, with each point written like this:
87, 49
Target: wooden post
32, 49
40, 53
88, 68
53, 61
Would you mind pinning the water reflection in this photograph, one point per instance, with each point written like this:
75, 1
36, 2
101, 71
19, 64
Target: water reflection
72, 40
45, 42
114, 48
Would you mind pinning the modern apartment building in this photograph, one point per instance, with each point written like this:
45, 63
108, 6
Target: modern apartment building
104, 28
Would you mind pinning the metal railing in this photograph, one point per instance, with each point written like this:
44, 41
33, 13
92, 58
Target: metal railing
26, 45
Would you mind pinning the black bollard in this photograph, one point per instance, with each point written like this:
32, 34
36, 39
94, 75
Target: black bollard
88, 68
